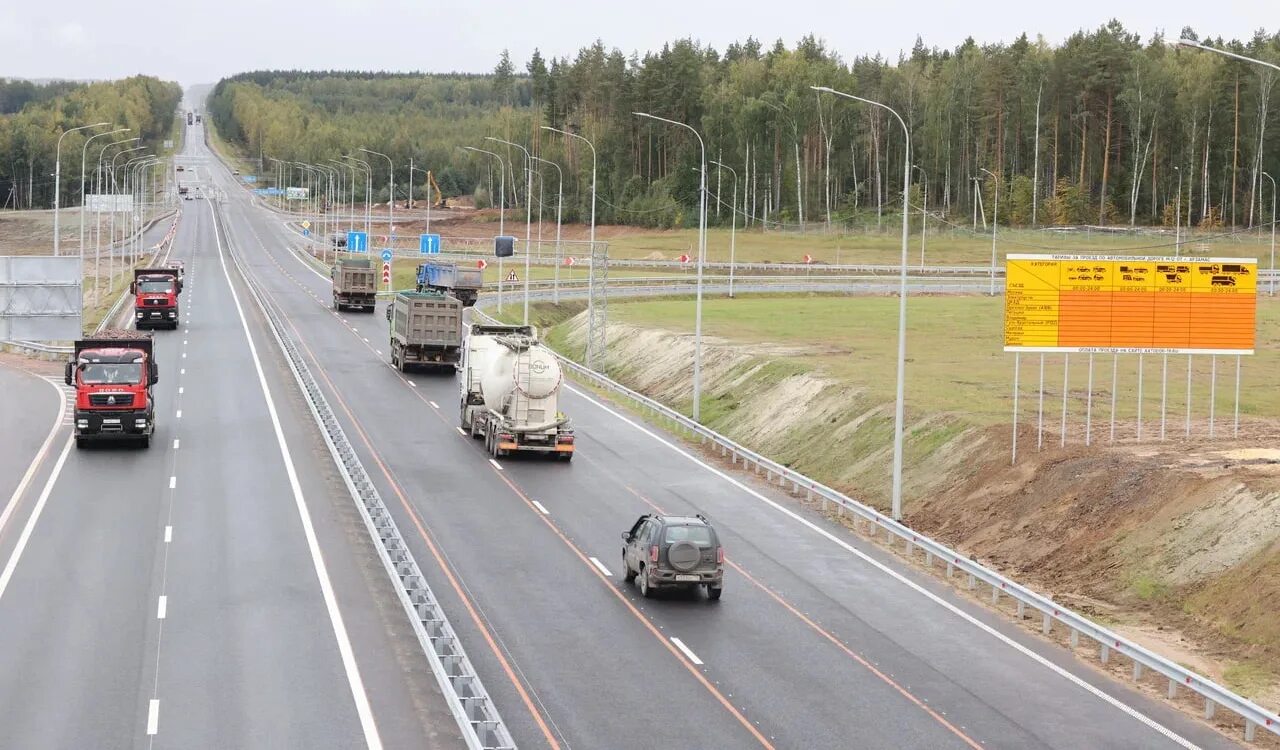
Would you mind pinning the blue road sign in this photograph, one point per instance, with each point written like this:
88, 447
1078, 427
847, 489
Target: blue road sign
386, 255
249, 178
357, 242
268, 191
306, 233
429, 244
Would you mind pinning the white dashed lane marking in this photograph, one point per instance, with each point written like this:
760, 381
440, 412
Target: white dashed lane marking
686, 651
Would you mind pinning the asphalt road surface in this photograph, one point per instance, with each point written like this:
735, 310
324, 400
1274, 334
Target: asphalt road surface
821, 640
217, 590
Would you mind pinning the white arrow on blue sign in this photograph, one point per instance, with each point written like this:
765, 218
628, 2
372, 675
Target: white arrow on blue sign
306, 233
357, 242
429, 244
386, 255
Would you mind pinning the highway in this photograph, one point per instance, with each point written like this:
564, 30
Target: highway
215, 590
821, 640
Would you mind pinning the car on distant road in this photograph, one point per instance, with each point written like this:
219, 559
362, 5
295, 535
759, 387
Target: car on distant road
235, 171
179, 168
673, 552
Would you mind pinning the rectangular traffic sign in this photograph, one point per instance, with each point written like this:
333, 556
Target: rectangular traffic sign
1139, 304
428, 244
357, 242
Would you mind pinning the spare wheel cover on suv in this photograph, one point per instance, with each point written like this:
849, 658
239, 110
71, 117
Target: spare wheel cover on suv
684, 555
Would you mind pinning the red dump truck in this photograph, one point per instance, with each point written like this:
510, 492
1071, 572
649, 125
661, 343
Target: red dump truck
155, 292
112, 373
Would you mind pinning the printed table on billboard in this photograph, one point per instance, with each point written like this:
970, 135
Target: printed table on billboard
1138, 304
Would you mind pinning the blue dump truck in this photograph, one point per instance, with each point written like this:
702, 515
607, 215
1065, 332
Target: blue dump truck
452, 279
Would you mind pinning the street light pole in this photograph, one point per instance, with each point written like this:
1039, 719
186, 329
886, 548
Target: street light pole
368, 188
733, 229
391, 194
924, 210
1273, 232
111, 254
97, 218
84, 154
591, 318
902, 300
57, 181
702, 256
1177, 219
555, 287
528, 216
995, 222
502, 204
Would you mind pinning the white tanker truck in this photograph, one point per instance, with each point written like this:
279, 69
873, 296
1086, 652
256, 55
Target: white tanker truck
510, 387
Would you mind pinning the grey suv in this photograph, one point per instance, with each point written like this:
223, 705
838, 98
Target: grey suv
673, 552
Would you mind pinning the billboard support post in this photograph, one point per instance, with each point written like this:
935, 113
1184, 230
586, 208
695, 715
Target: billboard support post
1115, 371
1066, 365
1235, 431
1088, 406
1017, 371
1187, 429
1040, 416
1139, 397
1164, 392
1213, 391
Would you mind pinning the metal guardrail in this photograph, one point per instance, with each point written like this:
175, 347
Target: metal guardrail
1108, 641
481, 726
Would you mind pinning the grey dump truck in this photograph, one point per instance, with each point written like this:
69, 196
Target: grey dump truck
355, 284
451, 278
426, 330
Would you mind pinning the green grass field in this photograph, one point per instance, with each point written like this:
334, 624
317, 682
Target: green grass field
949, 247
955, 361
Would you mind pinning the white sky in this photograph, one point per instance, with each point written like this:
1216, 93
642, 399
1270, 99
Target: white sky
199, 41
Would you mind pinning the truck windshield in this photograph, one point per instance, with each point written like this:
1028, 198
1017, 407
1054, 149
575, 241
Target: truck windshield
155, 287
111, 373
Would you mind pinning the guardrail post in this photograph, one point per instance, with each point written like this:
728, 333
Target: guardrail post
973, 582
995, 594
1022, 609
1075, 638
928, 559
951, 569
1173, 688
1046, 624
907, 546
1209, 708
1104, 653
1137, 671
1249, 728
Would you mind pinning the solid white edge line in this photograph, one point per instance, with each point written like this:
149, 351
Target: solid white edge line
600, 566
1061, 672
541, 508
41, 454
180, 389
434, 405
173, 482
168, 534
496, 465
34, 517
153, 716
686, 651
363, 709
175, 444
179, 414
415, 385
162, 607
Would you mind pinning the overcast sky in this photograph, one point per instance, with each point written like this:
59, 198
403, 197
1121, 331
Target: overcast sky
198, 41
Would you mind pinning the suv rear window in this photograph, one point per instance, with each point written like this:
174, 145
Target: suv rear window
700, 535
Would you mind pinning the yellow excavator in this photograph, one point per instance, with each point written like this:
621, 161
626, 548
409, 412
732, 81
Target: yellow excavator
440, 201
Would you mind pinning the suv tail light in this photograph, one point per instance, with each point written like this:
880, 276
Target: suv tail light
719, 555
653, 553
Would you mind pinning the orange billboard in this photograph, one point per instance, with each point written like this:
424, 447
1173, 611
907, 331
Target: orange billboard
1139, 304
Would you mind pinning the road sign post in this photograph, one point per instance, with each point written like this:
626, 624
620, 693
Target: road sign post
386, 274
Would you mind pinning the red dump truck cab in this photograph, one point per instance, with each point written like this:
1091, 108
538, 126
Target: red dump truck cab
112, 374
155, 301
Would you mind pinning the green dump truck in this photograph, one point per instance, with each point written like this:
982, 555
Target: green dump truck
426, 330
354, 284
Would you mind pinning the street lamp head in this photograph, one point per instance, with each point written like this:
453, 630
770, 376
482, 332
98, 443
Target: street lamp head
1186, 43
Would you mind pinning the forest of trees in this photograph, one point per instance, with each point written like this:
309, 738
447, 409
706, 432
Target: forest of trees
1099, 130
32, 116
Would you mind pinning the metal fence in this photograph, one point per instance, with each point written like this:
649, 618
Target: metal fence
936, 553
40, 297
